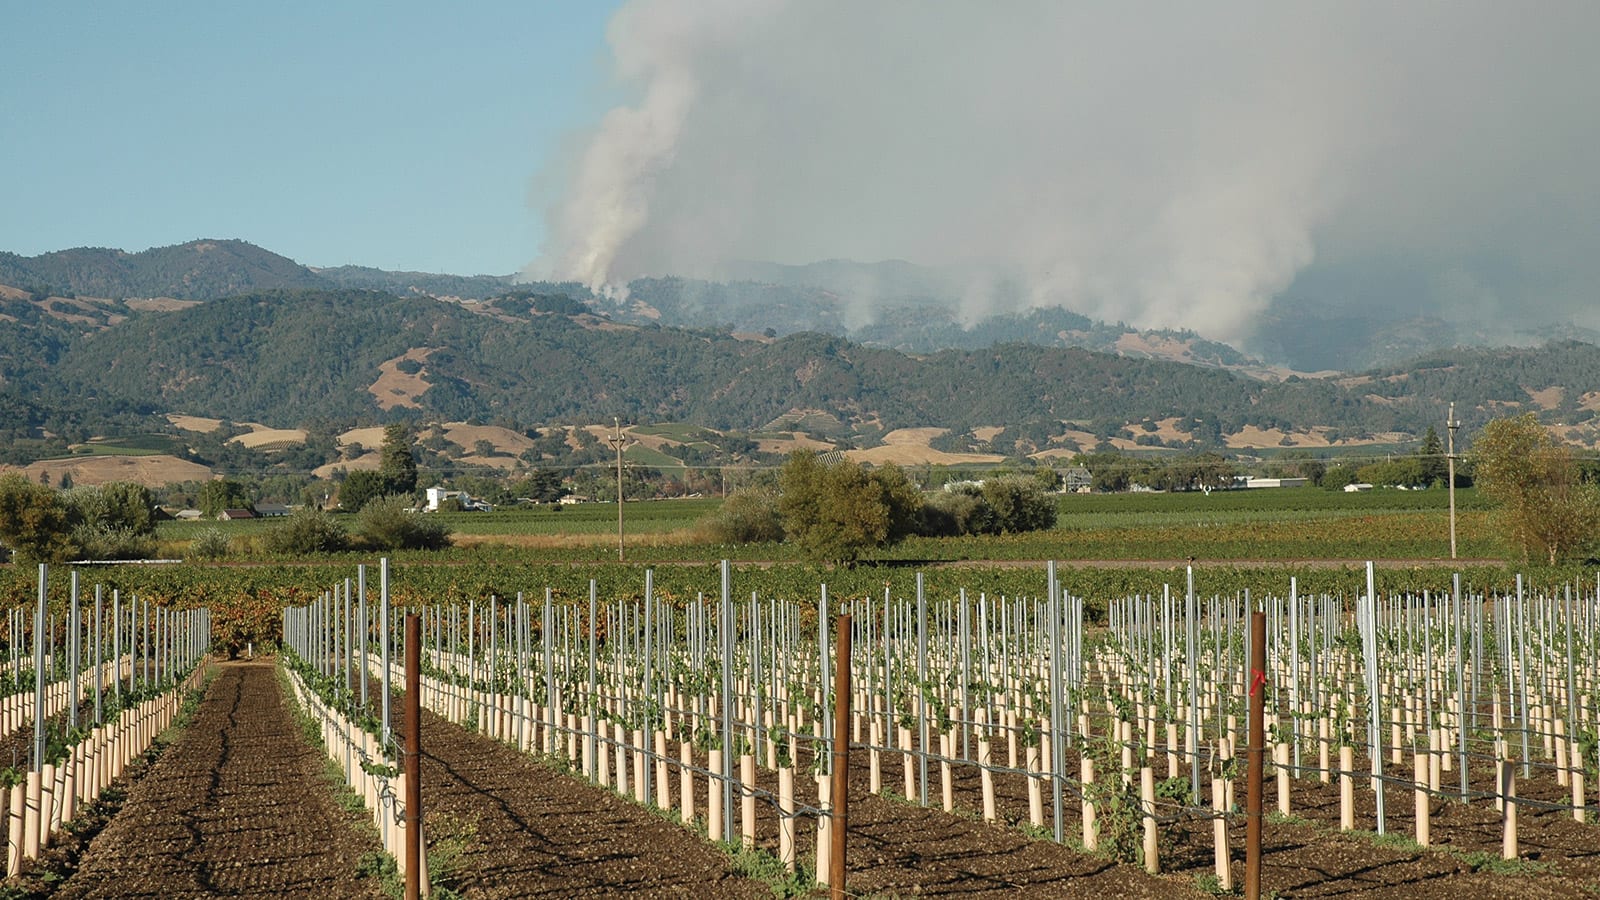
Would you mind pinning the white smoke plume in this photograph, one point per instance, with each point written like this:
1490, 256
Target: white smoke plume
1156, 163
656, 46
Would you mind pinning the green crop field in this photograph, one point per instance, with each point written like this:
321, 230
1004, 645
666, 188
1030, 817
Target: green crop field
1262, 525
645, 517
1107, 546
186, 529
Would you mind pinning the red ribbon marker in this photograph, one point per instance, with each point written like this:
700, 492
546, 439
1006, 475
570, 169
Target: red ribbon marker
1257, 679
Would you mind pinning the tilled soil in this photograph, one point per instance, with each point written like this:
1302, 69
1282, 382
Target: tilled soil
1309, 857
238, 808
533, 831
898, 849
516, 828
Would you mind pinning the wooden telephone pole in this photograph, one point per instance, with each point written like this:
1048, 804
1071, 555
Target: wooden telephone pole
1450, 425
618, 441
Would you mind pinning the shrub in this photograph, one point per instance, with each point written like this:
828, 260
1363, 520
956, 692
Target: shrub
103, 542
837, 511
385, 524
362, 487
749, 516
1336, 477
1020, 503
210, 544
956, 513
33, 521
307, 531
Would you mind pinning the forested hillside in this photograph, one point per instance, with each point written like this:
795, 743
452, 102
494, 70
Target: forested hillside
281, 358
285, 357
80, 355
198, 270
465, 287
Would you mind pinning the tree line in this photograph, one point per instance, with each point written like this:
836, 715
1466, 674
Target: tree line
837, 511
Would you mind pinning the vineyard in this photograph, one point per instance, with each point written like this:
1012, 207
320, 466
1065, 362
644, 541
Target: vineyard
89, 688
1423, 732
1456, 721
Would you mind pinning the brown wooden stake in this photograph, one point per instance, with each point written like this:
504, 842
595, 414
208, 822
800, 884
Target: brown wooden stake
413, 757
1255, 756
841, 754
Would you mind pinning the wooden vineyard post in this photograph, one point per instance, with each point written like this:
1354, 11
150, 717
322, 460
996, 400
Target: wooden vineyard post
1256, 753
413, 758
841, 755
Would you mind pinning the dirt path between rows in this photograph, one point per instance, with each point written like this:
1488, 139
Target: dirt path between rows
521, 829
238, 808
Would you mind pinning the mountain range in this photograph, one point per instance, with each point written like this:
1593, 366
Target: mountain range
96, 341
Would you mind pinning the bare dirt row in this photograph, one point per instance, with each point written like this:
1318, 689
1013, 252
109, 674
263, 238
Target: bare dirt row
515, 828
238, 807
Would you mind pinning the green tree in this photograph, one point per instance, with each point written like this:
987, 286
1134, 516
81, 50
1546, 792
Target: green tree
953, 513
1020, 503
1206, 471
837, 512
540, 486
1548, 511
1405, 471
1109, 471
398, 464
1433, 468
115, 520
33, 521
220, 494
1336, 477
130, 506
362, 487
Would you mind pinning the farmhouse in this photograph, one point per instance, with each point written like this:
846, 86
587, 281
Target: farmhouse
234, 515
1076, 480
442, 498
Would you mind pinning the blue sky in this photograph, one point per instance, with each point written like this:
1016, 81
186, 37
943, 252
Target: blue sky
402, 135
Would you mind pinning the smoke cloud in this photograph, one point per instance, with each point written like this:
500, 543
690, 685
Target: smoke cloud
1167, 165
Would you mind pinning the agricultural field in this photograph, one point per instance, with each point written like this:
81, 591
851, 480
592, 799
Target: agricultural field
1235, 526
1000, 747
563, 682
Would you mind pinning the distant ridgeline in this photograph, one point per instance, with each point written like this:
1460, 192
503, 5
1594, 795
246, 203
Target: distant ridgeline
227, 330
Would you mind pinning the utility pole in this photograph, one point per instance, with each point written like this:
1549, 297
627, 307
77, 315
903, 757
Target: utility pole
618, 441
1450, 425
